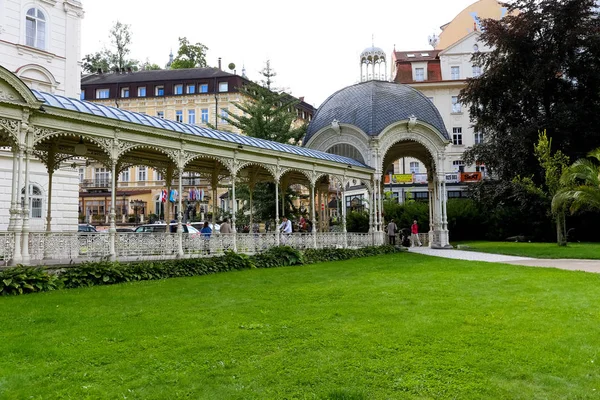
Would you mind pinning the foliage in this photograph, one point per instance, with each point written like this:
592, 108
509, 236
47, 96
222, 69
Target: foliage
148, 66
553, 166
267, 113
21, 280
190, 55
263, 201
581, 185
404, 214
357, 221
397, 326
540, 74
110, 59
509, 208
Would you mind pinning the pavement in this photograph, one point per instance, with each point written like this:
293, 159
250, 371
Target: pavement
568, 264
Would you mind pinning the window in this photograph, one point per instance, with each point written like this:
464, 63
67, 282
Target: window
125, 92
179, 115
160, 114
142, 174
125, 176
478, 137
204, 88
414, 167
457, 136
224, 114
35, 29
81, 174
159, 90
204, 115
178, 89
158, 176
102, 93
419, 74
456, 194
102, 176
455, 72
82, 95
476, 71
190, 89
456, 107
355, 203
191, 117
223, 86
480, 167
142, 91
459, 165
35, 201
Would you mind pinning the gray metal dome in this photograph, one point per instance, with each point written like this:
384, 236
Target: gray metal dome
374, 105
372, 54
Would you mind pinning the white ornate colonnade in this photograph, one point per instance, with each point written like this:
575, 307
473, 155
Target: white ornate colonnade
54, 129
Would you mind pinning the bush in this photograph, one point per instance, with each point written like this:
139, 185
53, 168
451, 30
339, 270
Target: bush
21, 280
357, 221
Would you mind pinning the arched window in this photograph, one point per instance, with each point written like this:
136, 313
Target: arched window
35, 29
35, 201
346, 150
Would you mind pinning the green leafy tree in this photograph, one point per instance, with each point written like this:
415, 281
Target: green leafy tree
117, 56
580, 185
542, 73
190, 55
267, 113
553, 166
148, 66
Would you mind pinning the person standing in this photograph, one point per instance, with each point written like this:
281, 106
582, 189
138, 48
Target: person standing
286, 228
414, 237
225, 227
206, 231
391, 230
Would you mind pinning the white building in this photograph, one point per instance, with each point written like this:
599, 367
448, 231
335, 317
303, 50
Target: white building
40, 43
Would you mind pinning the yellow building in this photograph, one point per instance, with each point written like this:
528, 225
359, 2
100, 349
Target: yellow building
469, 20
197, 96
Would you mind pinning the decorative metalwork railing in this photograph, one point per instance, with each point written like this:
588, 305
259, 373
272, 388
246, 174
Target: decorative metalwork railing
7, 246
75, 247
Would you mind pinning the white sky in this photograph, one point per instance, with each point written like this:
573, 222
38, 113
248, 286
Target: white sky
313, 46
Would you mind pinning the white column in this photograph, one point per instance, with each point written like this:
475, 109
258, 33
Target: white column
25, 237
320, 200
344, 230
180, 214
14, 196
49, 201
112, 230
444, 209
371, 206
234, 210
277, 212
380, 205
313, 214
18, 215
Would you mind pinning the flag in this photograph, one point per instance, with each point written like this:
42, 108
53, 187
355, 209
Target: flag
173, 196
163, 196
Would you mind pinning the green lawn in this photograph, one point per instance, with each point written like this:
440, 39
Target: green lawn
538, 250
397, 326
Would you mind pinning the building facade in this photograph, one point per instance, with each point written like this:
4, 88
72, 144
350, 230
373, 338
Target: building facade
194, 96
40, 44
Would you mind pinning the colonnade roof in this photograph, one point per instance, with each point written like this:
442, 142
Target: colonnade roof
66, 103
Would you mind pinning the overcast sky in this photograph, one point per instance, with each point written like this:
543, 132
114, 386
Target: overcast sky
313, 46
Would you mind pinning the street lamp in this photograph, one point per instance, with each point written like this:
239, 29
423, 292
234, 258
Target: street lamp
136, 204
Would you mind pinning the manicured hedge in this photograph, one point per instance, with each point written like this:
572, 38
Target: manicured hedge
21, 280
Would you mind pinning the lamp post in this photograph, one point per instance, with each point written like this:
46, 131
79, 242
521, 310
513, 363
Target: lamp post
136, 204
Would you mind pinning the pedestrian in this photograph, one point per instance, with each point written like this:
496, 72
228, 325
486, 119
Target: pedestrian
391, 230
285, 228
225, 227
414, 237
206, 231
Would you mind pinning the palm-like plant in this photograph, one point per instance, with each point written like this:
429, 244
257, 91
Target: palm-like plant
580, 185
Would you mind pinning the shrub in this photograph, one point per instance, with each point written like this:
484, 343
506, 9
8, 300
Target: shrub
22, 279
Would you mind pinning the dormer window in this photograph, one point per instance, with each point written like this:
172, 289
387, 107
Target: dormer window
419, 74
178, 89
410, 55
424, 54
159, 90
35, 29
223, 86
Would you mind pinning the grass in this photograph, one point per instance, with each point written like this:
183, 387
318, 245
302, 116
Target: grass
538, 250
401, 326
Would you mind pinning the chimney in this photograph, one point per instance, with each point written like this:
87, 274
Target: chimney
219, 63
301, 98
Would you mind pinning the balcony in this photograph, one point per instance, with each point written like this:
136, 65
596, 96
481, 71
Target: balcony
95, 183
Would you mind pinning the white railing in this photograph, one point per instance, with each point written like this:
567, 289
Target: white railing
7, 246
77, 247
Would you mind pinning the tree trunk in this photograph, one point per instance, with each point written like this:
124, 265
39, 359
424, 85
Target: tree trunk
561, 237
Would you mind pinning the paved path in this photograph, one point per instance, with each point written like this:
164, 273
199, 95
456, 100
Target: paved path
568, 264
